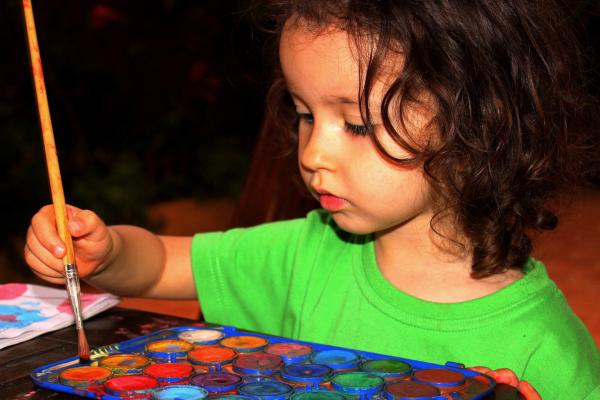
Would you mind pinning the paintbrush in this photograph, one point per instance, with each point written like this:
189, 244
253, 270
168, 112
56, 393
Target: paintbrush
56, 187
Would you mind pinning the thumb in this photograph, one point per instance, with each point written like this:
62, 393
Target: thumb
85, 223
506, 376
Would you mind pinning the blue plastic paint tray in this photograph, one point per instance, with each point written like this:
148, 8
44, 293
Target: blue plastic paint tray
253, 368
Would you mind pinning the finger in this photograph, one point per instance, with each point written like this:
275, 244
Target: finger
481, 370
51, 280
528, 391
86, 224
504, 375
43, 227
40, 268
71, 210
33, 247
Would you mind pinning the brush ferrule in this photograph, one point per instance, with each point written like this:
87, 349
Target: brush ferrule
74, 291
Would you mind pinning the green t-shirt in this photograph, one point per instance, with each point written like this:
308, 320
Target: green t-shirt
307, 280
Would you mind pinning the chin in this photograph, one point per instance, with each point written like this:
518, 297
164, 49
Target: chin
352, 224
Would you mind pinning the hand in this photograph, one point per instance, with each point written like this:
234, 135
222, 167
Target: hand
506, 376
44, 250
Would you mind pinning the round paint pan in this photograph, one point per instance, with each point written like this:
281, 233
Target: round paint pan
259, 378
318, 395
202, 336
179, 392
82, 377
336, 359
359, 383
307, 375
442, 378
409, 390
291, 353
257, 364
130, 386
245, 344
125, 364
233, 397
170, 373
269, 390
388, 368
217, 382
168, 350
213, 357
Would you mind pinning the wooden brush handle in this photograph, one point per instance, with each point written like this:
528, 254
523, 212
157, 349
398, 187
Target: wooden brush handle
56, 187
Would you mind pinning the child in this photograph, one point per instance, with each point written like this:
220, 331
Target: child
432, 133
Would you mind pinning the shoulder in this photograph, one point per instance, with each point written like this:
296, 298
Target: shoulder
543, 307
565, 364
564, 361
315, 224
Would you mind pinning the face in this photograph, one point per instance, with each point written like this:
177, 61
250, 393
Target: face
338, 160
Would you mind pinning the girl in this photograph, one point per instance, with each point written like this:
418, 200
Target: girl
432, 133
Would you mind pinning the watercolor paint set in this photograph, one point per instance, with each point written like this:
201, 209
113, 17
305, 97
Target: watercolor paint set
218, 362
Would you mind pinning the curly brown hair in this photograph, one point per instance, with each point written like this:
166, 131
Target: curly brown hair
506, 80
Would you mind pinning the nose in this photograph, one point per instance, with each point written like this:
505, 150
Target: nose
317, 147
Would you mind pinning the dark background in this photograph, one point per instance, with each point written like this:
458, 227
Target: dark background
151, 100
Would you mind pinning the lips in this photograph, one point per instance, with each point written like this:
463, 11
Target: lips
331, 202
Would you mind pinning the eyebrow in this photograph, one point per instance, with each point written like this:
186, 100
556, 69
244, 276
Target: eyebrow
339, 100
374, 107
332, 99
343, 100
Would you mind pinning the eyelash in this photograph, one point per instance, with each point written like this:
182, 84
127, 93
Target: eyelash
357, 130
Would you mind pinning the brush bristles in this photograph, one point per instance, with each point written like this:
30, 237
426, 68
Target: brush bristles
83, 347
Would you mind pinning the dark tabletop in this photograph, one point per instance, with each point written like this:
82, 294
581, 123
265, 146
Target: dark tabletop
112, 326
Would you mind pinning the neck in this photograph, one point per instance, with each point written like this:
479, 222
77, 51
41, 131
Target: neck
426, 265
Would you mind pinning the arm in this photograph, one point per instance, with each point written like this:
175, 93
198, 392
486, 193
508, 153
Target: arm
143, 264
124, 260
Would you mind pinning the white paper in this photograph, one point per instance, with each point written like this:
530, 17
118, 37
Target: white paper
27, 311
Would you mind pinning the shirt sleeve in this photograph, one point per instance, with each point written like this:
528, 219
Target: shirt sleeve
242, 276
566, 363
594, 395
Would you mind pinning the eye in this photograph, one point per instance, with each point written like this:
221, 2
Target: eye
358, 130
305, 117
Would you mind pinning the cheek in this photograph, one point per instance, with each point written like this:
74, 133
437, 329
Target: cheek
302, 137
391, 147
391, 186
415, 128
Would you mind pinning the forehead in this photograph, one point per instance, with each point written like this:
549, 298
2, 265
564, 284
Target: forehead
325, 62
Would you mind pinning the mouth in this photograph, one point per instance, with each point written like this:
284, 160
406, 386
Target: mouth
330, 202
